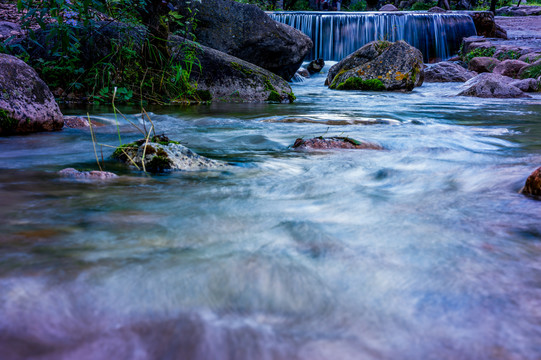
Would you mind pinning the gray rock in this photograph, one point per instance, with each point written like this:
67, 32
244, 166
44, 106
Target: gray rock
527, 85
89, 175
160, 156
519, 11
329, 143
303, 73
447, 72
530, 57
246, 32
483, 64
229, 79
398, 66
488, 85
388, 7
26, 103
315, 66
437, 10
509, 68
8, 29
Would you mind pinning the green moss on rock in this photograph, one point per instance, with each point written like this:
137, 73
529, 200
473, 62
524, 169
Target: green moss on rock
7, 123
274, 97
355, 83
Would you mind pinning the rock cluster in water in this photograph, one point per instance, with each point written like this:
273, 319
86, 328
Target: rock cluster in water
379, 65
160, 154
88, 175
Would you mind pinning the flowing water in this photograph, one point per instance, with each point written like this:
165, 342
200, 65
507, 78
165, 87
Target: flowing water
424, 250
337, 34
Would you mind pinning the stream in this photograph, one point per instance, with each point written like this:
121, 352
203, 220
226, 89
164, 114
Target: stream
424, 250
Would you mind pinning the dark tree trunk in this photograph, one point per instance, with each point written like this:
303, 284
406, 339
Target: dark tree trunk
493, 6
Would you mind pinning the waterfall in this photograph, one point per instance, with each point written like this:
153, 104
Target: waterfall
338, 34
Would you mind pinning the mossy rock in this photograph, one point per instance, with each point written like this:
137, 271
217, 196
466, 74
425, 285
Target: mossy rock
360, 84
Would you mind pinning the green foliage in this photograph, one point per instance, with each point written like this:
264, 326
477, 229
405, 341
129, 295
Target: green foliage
382, 45
274, 97
423, 6
300, 5
357, 6
355, 83
532, 58
479, 52
533, 71
508, 55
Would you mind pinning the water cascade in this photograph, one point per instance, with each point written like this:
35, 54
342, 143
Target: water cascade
337, 34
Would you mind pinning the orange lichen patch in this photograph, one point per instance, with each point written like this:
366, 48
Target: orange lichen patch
400, 76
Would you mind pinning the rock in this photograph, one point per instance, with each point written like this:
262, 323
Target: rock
530, 57
500, 32
533, 184
161, 154
488, 85
79, 122
321, 143
447, 72
246, 32
484, 23
530, 71
26, 103
398, 66
8, 29
223, 77
527, 85
519, 11
315, 66
437, 10
91, 175
483, 64
509, 68
388, 7
303, 73
474, 42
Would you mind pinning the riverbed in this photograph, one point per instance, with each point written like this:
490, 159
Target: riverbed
424, 250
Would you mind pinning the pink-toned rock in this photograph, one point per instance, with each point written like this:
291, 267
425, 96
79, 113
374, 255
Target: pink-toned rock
321, 143
91, 175
509, 68
79, 122
26, 103
483, 64
531, 57
533, 184
527, 85
446, 71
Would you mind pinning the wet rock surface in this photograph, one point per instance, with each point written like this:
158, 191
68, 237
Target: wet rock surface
509, 68
89, 175
533, 184
329, 143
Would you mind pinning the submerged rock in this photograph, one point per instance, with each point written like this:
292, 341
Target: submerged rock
26, 103
246, 32
161, 154
447, 72
79, 122
91, 175
386, 65
533, 184
491, 86
334, 143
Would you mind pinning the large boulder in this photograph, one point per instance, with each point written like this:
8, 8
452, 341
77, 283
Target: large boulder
484, 23
229, 79
483, 64
398, 66
488, 85
533, 184
26, 103
160, 154
446, 71
246, 32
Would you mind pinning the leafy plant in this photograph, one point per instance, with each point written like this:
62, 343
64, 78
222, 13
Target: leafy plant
533, 71
423, 6
510, 54
479, 52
